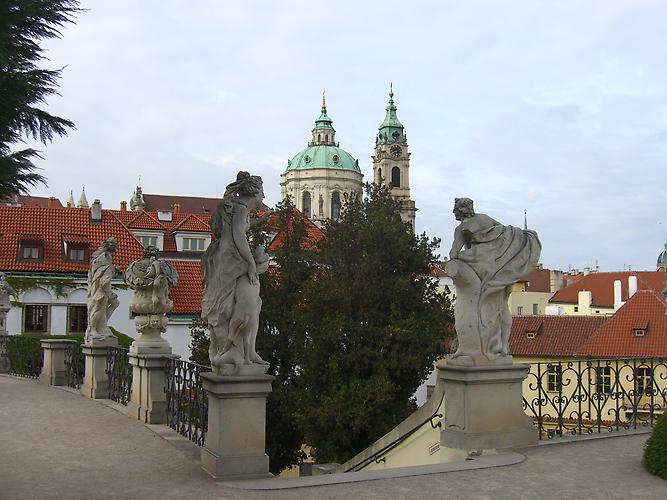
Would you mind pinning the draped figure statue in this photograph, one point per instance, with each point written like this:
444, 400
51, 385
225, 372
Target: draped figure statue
486, 259
101, 301
231, 302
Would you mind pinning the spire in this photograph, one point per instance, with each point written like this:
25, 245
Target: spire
324, 102
391, 129
137, 200
323, 133
323, 121
525, 219
70, 202
83, 202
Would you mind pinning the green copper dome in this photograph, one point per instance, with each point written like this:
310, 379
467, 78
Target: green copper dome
322, 156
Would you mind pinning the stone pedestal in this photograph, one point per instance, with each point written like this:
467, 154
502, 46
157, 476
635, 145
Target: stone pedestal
95, 380
235, 440
483, 408
150, 340
54, 371
148, 402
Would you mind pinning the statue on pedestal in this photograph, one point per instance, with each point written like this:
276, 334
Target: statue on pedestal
101, 301
151, 279
486, 259
231, 302
6, 291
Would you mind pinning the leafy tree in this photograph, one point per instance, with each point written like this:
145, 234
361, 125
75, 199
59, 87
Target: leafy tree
374, 326
24, 86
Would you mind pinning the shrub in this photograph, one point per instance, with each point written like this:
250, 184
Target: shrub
655, 450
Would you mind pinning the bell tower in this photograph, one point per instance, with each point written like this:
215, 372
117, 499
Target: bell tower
391, 162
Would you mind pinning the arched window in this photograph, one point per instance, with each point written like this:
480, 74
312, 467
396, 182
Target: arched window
379, 176
306, 204
326, 137
335, 205
395, 177
319, 138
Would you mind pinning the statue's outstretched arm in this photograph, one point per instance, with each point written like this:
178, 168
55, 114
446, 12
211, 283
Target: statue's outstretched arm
457, 244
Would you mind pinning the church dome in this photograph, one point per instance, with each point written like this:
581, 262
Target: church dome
662, 258
323, 156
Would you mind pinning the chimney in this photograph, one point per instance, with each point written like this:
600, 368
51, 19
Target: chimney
177, 208
51, 202
632, 286
123, 206
96, 212
618, 298
584, 300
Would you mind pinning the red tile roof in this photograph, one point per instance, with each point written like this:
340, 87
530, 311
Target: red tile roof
555, 336
33, 201
312, 234
602, 286
616, 338
51, 225
539, 280
193, 223
145, 220
187, 293
188, 204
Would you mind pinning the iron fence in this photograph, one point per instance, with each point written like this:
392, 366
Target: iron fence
23, 355
187, 405
119, 373
74, 365
576, 397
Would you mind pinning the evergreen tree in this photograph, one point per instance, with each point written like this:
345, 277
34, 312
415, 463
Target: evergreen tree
24, 86
374, 326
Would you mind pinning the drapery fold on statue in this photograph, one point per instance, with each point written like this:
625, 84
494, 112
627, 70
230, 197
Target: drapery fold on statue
499, 255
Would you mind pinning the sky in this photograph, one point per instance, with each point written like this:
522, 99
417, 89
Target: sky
555, 108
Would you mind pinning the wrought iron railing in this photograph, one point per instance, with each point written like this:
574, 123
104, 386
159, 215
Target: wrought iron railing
587, 396
187, 405
119, 373
24, 355
74, 364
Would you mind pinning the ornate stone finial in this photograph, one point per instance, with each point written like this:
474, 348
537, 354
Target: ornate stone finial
486, 259
151, 279
6, 291
324, 101
391, 90
231, 302
101, 301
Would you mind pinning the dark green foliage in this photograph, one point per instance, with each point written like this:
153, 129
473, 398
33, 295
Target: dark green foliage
199, 342
655, 450
123, 340
24, 86
374, 323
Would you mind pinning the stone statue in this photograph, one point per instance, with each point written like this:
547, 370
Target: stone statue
102, 301
6, 291
486, 259
151, 279
231, 302
321, 205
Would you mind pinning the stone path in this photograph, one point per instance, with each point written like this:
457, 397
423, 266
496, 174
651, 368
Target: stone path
57, 444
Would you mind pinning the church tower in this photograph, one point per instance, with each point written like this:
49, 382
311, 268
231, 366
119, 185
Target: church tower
391, 163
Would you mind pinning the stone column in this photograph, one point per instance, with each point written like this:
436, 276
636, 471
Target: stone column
483, 407
235, 441
95, 380
54, 371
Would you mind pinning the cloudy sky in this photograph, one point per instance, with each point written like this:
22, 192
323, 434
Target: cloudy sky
558, 108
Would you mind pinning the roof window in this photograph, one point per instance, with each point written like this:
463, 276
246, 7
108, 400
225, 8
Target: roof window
530, 335
31, 250
640, 332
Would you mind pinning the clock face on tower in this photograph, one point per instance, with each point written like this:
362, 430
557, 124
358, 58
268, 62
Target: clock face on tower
396, 151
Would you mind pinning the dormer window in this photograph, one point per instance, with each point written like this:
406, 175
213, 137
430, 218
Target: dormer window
147, 241
640, 332
77, 253
194, 244
31, 250
530, 335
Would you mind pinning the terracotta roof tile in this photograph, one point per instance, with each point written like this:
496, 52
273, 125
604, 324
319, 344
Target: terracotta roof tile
539, 280
188, 292
33, 201
145, 220
616, 338
192, 223
601, 285
312, 235
51, 224
555, 336
188, 204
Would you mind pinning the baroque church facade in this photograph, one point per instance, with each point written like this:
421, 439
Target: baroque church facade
323, 175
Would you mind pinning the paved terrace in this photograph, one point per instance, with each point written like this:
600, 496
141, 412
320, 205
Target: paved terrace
55, 443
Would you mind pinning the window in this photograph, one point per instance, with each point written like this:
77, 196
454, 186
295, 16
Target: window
603, 379
554, 378
335, 205
77, 319
35, 318
519, 310
576, 308
530, 335
31, 250
379, 175
535, 309
395, 177
326, 137
147, 241
306, 204
640, 332
644, 381
77, 253
194, 244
